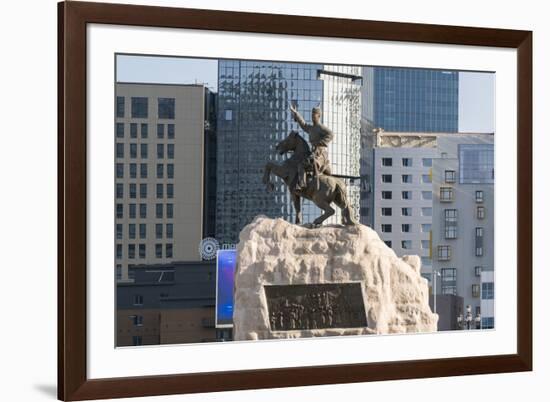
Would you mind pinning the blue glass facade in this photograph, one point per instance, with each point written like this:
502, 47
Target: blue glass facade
411, 100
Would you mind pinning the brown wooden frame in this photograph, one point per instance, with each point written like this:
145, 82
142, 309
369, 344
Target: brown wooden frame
73, 383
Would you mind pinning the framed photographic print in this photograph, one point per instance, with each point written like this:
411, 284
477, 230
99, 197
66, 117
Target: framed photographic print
254, 200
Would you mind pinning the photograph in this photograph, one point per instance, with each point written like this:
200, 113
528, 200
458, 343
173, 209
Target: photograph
268, 199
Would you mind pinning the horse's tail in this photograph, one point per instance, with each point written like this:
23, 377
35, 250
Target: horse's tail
341, 199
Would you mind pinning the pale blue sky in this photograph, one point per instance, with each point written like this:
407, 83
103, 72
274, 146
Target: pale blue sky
476, 90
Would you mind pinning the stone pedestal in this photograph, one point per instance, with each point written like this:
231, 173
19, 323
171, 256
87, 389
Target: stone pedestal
294, 282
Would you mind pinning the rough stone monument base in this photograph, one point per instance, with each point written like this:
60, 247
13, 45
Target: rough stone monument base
294, 282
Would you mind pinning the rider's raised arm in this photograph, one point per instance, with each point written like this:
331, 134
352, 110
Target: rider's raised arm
301, 122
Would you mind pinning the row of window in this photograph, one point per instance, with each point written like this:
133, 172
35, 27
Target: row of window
408, 244
444, 251
446, 194
160, 211
170, 130
406, 162
406, 178
406, 195
132, 187
141, 248
132, 234
144, 150
426, 211
139, 107
144, 170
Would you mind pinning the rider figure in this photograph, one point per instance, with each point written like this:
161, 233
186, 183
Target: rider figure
319, 137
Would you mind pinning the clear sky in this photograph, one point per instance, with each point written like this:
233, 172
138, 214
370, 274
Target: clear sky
476, 95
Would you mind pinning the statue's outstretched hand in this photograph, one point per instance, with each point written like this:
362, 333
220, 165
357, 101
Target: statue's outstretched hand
293, 109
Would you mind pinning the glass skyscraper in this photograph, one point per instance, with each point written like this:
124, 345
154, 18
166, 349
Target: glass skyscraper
253, 115
411, 99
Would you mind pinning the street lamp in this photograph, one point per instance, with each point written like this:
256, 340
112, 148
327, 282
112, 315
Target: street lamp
465, 322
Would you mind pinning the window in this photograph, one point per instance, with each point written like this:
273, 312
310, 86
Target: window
142, 251
143, 170
118, 271
138, 300
160, 192
160, 170
143, 211
169, 211
427, 195
120, 130
158, 211
475, 290
443, 253
386, 195
119, 231
450, 176
169, 231
386, 178
406, 211
160, 151
132, 231
387, 162
476, 163
406, 227
386, 228
133, 151
406, 178
228, 114
142, 230
170, 151
426, 261
119, 190
446, 194
158, 250
137, 320
170, 190
426, 227
120, 150
386, 211
480, 213
407, 162
406, 244
488, 291
158, 231
487, 322
144, 130
144, 149
448, 289
133, 170
119, 251
426, 178
427, 162
160, 130
388, 243
477, 270
479, 242
171, 131
451, 223
170, 170
133, 130
425, 244
119, 211
479, 196
448, 281
132, 212
139, 108
166, 108
427, 211
133, 190
119, 170
406, 195
169, 250
131, 251
120, 106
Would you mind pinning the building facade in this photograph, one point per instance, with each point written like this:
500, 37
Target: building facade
253, 115
160, 182
463, 226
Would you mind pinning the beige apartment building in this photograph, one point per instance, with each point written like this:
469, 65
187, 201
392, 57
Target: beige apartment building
159, 175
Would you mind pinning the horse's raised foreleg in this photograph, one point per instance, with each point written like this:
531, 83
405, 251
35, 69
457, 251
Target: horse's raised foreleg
328, 211
297, 208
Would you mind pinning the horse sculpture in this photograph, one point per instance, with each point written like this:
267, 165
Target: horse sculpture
323, 189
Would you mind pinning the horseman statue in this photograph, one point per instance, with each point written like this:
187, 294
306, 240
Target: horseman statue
307, 171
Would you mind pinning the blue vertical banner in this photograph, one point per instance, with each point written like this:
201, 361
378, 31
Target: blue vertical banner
226, 263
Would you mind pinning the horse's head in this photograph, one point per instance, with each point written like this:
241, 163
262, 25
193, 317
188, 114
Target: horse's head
289, 143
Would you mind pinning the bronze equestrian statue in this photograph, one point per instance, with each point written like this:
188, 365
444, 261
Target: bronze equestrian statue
307, 174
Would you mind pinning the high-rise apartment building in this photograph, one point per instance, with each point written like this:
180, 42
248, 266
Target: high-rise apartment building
253, 115
463, 221
160, 185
